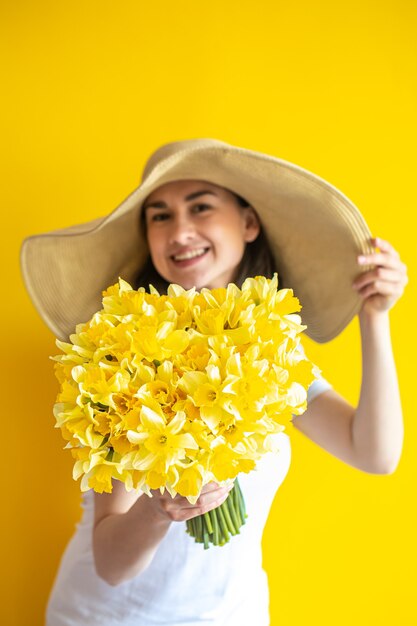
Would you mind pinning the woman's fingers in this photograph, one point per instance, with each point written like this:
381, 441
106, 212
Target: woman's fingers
386, 257
383, 259
184, 513
384, 289
389, 268
382, 286
215, 494
180, 509
379, 273
384, 245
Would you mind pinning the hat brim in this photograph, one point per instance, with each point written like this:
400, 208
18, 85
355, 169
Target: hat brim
315, 232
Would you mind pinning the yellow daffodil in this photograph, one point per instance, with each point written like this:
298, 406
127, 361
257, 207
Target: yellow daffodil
191, 480
160, 440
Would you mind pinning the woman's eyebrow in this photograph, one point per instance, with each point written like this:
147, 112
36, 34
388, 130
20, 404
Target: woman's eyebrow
191, 196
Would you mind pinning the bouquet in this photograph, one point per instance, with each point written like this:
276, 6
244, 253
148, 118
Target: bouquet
174, 391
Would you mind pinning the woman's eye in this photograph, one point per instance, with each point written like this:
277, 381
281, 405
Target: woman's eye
159, 217
201, 207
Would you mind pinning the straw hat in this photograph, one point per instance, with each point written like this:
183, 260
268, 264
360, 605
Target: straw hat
314, 230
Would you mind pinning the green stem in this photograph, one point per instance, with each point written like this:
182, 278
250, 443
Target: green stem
199, 528
223, 524
206, 538
227, 517
208, 523
215, 524
231, 507
241, 503
237, 507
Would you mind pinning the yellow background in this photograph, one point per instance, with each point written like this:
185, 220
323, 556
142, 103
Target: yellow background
90, 89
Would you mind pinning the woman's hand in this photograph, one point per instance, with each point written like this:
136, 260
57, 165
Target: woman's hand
178, 509
381, 287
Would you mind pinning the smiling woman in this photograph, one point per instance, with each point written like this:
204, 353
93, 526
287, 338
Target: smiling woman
130, 561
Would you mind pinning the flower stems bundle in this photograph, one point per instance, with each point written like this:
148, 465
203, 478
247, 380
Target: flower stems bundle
175, 391
217, 525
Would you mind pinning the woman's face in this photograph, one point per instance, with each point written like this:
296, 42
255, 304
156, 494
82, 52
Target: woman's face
197, 233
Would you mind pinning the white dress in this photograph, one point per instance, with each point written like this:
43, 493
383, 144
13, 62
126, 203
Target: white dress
184, 585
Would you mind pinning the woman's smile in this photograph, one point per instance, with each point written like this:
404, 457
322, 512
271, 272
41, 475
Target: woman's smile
189, 257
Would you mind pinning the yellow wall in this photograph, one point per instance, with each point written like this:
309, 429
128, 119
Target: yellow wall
89, 90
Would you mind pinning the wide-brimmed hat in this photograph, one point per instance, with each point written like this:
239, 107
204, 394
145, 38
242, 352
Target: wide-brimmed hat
315, 233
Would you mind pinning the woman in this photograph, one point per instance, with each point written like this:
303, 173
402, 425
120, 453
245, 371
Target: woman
130, 561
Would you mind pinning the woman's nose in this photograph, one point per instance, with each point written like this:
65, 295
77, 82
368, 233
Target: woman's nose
182, 231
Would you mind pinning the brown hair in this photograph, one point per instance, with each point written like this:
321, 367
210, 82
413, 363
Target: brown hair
257, 259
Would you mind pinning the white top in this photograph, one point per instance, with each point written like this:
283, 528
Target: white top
184, 585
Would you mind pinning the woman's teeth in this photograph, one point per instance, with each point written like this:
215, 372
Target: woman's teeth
189, 255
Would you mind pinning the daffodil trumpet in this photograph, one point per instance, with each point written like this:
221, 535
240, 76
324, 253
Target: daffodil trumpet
174, 391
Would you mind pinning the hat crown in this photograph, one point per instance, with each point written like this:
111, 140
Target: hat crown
175, 147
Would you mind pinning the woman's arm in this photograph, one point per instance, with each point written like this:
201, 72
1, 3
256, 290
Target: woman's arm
370, 437
128, 527
377, 427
